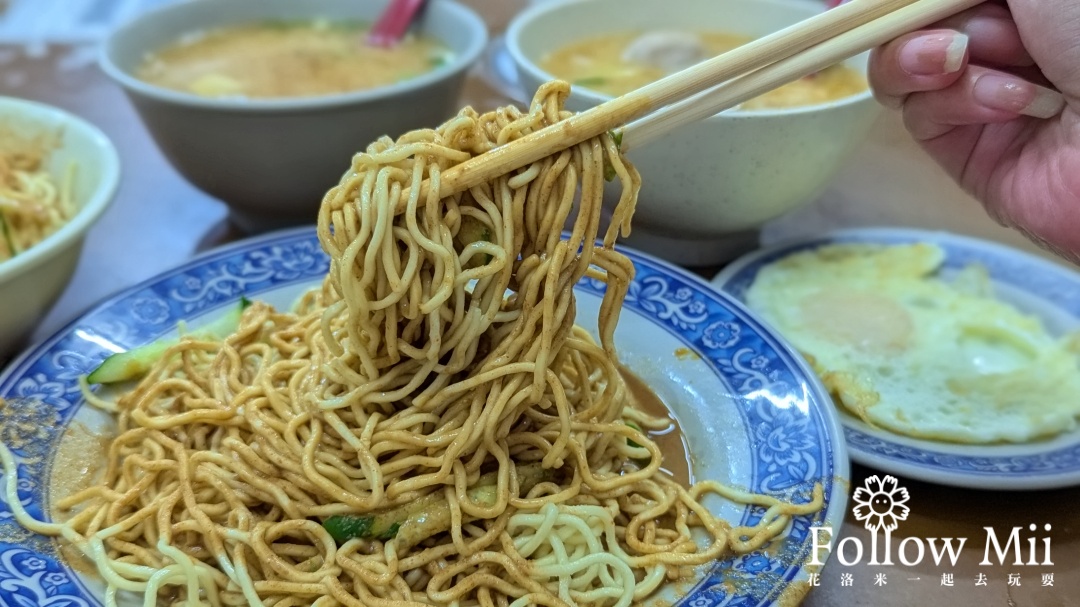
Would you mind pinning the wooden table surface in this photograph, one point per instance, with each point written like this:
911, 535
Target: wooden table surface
158, 221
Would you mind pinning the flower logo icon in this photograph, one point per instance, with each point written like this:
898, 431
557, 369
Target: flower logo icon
880, 504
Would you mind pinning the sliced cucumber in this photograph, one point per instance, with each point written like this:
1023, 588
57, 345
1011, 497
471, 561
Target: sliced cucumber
124, 366
473, 230
427, 515
629, 442
609, 169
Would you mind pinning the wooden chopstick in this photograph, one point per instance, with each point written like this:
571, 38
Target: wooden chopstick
619, 111
818, 57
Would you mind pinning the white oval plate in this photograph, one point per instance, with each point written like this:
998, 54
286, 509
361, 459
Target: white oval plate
1032, 284
753, 414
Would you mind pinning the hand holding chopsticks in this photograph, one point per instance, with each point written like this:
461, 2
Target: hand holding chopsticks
716, 84
839, 45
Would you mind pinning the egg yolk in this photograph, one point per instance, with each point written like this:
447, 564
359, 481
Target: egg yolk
865, 321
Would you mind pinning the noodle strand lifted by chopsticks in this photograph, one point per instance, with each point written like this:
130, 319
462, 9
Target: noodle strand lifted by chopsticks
437, 379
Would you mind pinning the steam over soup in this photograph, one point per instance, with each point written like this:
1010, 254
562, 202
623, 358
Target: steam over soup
615, 64
291, 59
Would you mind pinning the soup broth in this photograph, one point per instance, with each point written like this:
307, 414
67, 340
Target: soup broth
293, 59
600, 63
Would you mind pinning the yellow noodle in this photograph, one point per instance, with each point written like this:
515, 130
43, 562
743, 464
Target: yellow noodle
426, 369
32, 206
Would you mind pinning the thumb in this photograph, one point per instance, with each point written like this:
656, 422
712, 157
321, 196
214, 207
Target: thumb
1049, 30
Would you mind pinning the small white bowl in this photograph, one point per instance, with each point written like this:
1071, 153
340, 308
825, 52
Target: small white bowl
272, 160
31, 282
708, 187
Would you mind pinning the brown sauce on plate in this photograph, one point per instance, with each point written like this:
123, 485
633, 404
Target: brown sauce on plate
671, 440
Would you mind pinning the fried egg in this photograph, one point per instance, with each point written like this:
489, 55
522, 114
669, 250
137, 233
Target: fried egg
910, 351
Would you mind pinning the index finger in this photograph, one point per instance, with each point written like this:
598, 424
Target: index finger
916, 62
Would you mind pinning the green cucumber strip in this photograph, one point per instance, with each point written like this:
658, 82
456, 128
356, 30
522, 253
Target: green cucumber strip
473, 230
344, 527
422, 518
124, 366
629, 442
609, 171
390, 533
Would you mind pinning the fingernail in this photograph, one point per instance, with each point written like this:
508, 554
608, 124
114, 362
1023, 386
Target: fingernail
1011, 94
934, 54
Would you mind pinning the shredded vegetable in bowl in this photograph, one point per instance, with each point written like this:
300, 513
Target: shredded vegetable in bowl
32, 204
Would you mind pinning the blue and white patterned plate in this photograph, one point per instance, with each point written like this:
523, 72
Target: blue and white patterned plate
752, 413
1032, 284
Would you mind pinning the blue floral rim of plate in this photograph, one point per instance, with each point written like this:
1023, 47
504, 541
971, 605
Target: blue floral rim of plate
784, 410
1044, 464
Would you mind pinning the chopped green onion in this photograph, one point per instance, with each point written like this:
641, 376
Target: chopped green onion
590, 81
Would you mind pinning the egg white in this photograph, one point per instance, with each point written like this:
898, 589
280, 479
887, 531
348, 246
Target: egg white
906, 350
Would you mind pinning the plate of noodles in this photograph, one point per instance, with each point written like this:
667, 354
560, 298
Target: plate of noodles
1015, 354
422, 402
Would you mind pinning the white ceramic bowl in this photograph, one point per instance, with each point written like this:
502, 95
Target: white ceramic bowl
710, 186
31, 282
271, 160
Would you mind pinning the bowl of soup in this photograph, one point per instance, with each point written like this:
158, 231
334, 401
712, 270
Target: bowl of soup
261, 104
710, 186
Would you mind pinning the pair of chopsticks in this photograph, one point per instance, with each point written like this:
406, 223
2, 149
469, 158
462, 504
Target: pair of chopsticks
715, 85
394, 22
